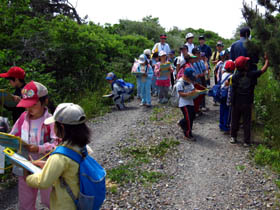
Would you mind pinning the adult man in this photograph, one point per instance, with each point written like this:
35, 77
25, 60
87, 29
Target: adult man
204, 47
215, 55
162, 45
189, 43
238, 48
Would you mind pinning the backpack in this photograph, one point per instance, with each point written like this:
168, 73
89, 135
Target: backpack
126, 86
244, 85
174, 99
217, 92
92, 180
4, 125
135, 66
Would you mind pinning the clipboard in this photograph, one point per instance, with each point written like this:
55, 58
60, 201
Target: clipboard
7, 99
22, 161
11, 141
198, 93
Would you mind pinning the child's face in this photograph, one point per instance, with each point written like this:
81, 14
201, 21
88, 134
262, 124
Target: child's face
36, 111
110, 81
15, 83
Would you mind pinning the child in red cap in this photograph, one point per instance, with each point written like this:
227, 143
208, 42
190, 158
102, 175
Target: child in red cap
243, 85
224, 108
40, 139
16, 76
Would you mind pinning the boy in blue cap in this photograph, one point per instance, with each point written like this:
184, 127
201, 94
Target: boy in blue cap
185, 90
119, 93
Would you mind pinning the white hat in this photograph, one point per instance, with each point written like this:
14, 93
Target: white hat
142, 59
189, 35
147, 52
67, 113
161, 53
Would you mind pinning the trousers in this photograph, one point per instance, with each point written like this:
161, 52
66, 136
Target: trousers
244, 111
146, 91
27, 195
187, 122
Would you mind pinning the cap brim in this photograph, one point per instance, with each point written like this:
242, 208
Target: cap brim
109, 78
26, 103
4, 75
49, 120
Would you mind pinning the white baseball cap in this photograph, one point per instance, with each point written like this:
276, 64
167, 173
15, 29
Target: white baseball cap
147, 52
161, 53
189, 35
142, 59
67, 113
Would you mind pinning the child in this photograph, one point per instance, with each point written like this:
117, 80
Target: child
155, 60
40, 138
243, 85
146, 80
70, 126
16, 76
224, 109
162, 70
119, 94
185, 88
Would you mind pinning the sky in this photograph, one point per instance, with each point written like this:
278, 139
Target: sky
220, 16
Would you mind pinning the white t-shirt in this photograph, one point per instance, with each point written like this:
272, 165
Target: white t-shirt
185, 87
190, 47
225, 74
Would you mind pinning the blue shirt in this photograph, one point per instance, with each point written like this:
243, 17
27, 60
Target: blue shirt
199, 68
238, 49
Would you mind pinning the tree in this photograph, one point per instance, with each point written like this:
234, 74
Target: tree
265, 31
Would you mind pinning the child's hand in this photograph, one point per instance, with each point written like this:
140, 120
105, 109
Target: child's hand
32, 148
265, 56
16, 98
39, 163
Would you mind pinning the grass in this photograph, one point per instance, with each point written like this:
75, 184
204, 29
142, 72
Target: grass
240, 167
132, 172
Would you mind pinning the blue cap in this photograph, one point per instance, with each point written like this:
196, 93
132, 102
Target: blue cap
189, 72
111, 76
222, 53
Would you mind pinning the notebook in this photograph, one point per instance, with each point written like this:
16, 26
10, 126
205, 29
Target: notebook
11, 141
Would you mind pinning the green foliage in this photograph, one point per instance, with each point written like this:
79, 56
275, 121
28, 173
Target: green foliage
266, 156
267, 108
265, 31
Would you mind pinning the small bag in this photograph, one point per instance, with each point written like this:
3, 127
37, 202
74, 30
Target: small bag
174, 99
217, 92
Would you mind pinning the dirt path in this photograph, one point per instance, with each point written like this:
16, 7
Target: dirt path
207, 174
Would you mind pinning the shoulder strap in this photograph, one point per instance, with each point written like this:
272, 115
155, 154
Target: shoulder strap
225, 79
68, 153
20, 122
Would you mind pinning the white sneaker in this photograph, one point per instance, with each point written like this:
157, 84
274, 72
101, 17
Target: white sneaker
233, 140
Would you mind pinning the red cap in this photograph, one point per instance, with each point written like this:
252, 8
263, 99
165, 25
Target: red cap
163, 36
15, 72
230, 65
241, 61
31, 94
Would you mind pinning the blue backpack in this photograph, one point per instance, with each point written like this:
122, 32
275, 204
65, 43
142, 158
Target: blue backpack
219, 94
127, 87
92, 180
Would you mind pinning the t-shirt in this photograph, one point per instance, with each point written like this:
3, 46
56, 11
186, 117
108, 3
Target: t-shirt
224, 76
243, 85
184, 87
160, 47
190, 47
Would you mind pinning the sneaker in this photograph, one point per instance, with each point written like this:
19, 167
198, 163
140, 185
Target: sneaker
246, 145
204, 109
142, 104
148, 105
233, 140
190, 138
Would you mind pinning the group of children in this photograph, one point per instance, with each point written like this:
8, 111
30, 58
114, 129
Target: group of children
42, 133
